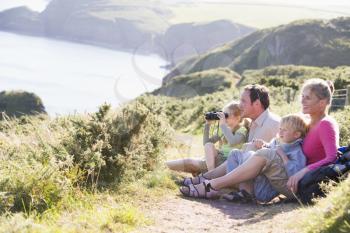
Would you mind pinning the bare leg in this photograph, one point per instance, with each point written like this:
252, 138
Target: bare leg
186, 165
216, 172
247, 171
247, 186
210, 155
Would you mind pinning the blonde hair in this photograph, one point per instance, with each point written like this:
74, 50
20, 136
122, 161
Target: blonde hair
297, 122
321, 88
234, 109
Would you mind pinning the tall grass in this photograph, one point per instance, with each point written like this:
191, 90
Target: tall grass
330, 214
45, 161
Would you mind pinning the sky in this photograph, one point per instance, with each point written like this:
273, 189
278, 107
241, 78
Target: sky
261, 13
37, 5
255, 13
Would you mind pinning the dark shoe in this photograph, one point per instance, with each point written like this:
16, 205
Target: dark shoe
241, 196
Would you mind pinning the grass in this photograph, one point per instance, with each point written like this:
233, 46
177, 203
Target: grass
98, 172
330, 214
118, 210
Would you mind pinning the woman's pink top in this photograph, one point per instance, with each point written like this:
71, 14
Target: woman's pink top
321, 143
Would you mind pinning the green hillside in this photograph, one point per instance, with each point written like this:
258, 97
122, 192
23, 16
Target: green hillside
307, 42
199, 83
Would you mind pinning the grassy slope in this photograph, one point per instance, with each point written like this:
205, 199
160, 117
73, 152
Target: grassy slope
308, 42
199, 83
50, 190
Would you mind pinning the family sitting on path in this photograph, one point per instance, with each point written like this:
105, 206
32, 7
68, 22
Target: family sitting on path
278, 152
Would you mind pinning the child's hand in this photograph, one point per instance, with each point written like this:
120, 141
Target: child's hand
222, 117
258, 143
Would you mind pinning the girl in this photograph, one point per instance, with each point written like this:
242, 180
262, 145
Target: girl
234, 132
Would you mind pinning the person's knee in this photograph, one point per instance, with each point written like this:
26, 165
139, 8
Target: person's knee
190, 164
209, 146
263, 153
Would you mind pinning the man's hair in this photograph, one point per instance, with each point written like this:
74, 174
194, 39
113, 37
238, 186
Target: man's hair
258, 92
297, 122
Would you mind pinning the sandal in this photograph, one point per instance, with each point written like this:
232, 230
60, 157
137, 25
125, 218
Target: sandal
194, 181
241, 196
192, 191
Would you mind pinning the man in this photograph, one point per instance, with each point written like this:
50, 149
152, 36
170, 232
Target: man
254, 103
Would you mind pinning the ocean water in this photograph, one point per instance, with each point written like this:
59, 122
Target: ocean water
72, 77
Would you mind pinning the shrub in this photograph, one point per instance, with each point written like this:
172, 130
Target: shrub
18, 103
32, 179
105, 146
343, 119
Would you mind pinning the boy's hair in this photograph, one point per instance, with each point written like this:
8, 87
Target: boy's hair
297, 122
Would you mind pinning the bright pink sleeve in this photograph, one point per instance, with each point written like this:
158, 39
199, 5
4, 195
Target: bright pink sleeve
329, 136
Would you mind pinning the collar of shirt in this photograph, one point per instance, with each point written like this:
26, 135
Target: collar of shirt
287, 146
261, 118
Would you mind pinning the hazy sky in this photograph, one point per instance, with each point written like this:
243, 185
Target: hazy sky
37, 5
261, 13
256, 13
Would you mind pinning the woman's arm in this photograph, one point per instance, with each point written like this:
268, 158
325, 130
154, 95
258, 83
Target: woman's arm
328, 134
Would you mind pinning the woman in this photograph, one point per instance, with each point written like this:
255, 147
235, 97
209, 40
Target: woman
320, 148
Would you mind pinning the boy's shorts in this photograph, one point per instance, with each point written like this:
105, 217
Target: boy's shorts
263, 190
275, 171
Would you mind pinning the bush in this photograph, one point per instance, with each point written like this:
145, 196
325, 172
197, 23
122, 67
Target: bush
106, 147
343, 119
43, 161
19, 103
30, 186
32, 179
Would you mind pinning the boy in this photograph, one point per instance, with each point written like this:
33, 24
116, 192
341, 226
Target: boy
287, 146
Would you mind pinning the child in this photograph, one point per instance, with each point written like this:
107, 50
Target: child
288, 147
234, 132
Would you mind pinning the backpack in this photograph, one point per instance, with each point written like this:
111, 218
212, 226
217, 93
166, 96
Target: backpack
309, 186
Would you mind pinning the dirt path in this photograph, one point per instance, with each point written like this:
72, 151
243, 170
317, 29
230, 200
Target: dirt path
178, 214
175, 213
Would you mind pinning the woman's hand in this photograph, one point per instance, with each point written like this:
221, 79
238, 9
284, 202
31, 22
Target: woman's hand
293, 181
222, 118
